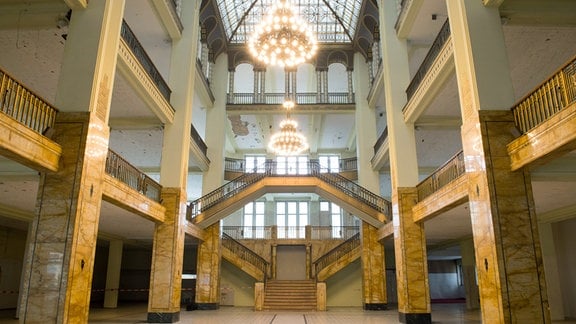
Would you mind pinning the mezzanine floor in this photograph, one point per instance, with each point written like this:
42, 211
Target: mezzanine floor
136, 313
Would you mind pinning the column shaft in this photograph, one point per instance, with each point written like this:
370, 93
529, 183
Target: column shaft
504, 226
113, 274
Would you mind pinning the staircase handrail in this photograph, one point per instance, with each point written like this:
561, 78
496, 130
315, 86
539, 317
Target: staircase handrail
245, 253
222, 193
336, 253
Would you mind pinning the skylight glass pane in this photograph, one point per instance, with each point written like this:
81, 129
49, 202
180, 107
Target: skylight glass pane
319, 13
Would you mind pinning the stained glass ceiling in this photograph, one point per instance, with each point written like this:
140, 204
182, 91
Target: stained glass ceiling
333, 21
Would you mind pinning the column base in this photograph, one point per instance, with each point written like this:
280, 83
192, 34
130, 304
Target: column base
208, 306
415, 318
376, 306
163, 317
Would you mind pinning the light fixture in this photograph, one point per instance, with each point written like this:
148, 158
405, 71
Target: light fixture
282, 38
288, 141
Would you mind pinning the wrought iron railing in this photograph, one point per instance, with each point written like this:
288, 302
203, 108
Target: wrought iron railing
306, 98
245, 253
25, 106
336, 253
222, 193
349, 164
448, 172
120, 169
312, 169
433, 52
380, 141
147, 64
198, 140
248, 232
234, 165
333, 232
555, 94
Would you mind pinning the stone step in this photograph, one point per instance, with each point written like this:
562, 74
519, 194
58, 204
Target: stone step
290, 295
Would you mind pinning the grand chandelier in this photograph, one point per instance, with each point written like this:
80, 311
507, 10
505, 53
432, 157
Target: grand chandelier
282, 38
288, 141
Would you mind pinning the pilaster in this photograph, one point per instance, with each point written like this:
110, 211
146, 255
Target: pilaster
113, 274
373, 272
208, 273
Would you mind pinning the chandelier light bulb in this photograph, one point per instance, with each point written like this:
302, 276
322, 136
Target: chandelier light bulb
283, 35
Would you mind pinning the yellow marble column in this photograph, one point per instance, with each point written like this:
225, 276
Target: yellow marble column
411, 266
167, 258
409, 237
373, 273
168, 251
508, 258
208, 273
208, 268
58, 272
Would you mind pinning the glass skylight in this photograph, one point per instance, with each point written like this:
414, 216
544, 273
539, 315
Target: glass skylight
333, 21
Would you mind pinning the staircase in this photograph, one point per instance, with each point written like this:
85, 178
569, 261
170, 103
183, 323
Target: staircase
290, 295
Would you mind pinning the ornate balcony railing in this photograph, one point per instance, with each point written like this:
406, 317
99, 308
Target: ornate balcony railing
245, 253
239, 165
120, 169
306, 98
349, 164
25, 106
248, 232
336, 253
433, 52
147, 64
380, 141
555, 94
234, 165
450, 171
198, 140
274, 232
271, 169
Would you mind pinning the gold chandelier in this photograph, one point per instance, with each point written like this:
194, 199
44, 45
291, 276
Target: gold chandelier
282, 38
288, 141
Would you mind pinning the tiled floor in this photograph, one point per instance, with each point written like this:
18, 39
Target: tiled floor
136, 313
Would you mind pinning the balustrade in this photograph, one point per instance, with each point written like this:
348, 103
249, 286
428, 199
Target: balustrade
245, 253
120, 169
555, 94
336, 253
450, 171
147, 64
25, 106
433, 52
305, 98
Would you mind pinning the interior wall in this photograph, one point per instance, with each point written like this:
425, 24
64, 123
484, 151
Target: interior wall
236, 287
344, 289
565, 241
443, 280
12, 247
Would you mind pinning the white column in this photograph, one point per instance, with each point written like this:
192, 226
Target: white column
469, 274
318, 86
325, 85
550, 259
231, 86
215, 134
113, 274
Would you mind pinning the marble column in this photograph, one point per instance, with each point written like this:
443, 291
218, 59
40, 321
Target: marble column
372, 257
469, 274
168, 247
208, 273
208, 264
411, 266
113, 274
504, 225
58, 270
409, 238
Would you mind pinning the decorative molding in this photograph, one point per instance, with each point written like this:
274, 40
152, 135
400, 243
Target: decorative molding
131, 68
432, 83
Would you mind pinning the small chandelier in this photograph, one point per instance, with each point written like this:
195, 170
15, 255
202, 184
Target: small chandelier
288, 141
282, 38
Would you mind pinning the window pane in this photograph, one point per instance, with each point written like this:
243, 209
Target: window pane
324, 206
